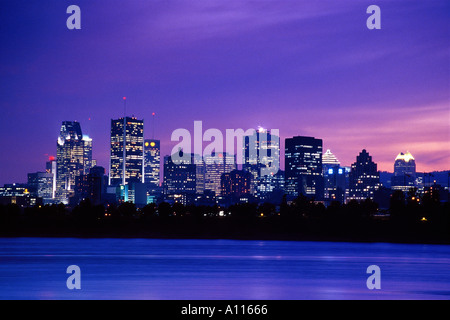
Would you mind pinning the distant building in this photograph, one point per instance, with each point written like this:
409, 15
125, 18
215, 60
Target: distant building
404, 172
207, 198
364, 179
335, 186
92, 186
152, 171
152, 161
261, 157
127, 151
14, 190
303, 167
200, 175
334, 178
88, 162
18, 193
137, 193
74, 158
329, 160
180, 178
50, 167
215, 165
269, 184
236, 183
40, 185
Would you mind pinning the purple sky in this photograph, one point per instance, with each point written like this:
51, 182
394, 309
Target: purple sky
303, 67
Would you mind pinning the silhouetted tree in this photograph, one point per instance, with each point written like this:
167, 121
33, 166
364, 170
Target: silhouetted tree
164, 210
127, 209
149, 210
178, 209
267, 209
397, 206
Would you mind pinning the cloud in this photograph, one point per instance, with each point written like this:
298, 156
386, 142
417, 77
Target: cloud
422, 130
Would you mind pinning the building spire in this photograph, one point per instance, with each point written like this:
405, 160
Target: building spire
124, 139
153, 125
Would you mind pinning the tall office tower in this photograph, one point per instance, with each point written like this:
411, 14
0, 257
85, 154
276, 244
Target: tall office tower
236, 183
87, 154
334, 178
303, 167
335, 184
364, 178
152, 162
180, 176
261, 156
92, 186
40, 184
200, 170
215, 165
404, 172
50, 167
74, 155
127, 151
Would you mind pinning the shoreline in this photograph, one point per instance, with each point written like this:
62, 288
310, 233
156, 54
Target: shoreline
106, 233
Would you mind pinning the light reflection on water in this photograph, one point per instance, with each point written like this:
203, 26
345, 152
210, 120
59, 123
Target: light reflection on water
35, 268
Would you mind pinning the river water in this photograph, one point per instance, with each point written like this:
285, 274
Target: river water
35, 268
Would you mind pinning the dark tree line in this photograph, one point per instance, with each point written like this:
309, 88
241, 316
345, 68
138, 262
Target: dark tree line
408, 215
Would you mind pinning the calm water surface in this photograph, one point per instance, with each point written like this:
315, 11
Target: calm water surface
35, 268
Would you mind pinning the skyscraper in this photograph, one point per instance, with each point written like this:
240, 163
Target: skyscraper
404, 172
50, 167
334, 178
303, 167
92, 186
180, 178
152, 162
261, 157
200, 175
215, 165
41, 185
364, 178
87, 154
127, 151
74, 157
236, 183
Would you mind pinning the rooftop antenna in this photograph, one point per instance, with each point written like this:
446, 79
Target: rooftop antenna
153, 126
124, 106
124, 139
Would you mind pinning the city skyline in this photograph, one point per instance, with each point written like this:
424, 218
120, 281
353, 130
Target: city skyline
306, 70
145, 143
310, 171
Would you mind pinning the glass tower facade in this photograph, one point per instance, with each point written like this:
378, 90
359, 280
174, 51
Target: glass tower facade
41, 185
261, 158
215, 165
127, 151
180, 176
152, 162
73, 158
303, 167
